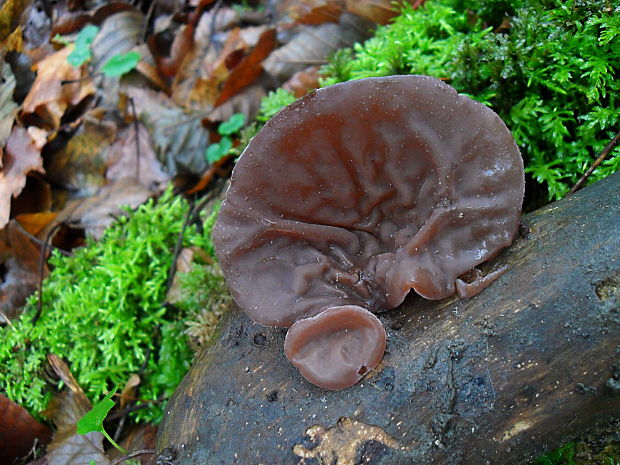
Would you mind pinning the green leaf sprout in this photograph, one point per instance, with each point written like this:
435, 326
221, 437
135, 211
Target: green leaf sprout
234, 123
81, 52
93, 419
121, 64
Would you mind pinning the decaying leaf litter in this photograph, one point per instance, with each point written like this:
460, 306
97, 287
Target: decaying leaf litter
104, 104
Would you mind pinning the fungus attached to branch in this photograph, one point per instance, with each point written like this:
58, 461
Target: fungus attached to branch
356, 194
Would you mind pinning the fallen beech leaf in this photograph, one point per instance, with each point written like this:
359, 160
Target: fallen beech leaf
10, 16
18, 430
34, 223
303, 81
19, 257
67, 447
70, 22
246, 102
35, 197
178, 137
181, 46
377, 11
176, 293
249, 68
313, 44
96, 213
80, 166
119, 34
79, 449
140, 437
8, 108
14, 42
315, 11
48, 97
21, 157
129, 390
123, 160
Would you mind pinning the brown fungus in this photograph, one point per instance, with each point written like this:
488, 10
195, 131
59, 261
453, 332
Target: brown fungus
354, 195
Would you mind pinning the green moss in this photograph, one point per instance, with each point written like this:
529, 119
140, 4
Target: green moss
550, 71
103, 313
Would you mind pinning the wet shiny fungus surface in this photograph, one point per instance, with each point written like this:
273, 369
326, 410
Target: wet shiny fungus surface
355, 195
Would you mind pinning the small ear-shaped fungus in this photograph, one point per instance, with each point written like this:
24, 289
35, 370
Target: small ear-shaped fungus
356, 194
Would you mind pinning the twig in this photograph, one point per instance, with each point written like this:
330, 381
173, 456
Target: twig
137, 129
6, 319
48, 239
83, 78
147, 20
597, 162
177, 248
133, 454
38, 241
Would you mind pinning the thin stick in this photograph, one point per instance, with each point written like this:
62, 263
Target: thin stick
39, 242
137, 129
48, 239
6, 319
83, 78
177, 248
597, 162
133, 454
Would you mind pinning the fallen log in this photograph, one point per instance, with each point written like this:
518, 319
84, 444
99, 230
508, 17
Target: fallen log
528, 364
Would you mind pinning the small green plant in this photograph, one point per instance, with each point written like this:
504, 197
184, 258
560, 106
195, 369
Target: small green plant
93, 420
116, 66
103, 313
219, 150
121, 64
81, 52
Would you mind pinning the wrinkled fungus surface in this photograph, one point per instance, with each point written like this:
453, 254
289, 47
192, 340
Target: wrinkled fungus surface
355, 195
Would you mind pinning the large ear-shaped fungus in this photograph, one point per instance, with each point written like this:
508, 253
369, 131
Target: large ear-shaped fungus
354, 195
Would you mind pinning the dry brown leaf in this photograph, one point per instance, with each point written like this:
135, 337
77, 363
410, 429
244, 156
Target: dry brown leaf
140, 437
96, 213
67, 447
225, 18
48, 97
119, 34
198, 80
14, 42
246, 102
377, 11
11, 12
249, 68
313, 44
123, 161
80, 166
19, 257
21, 157
182, 45
315, 11
128, 392
303, 81
8, 108
69, 22
79, 449
176, 293
34, 223
18, 431
178, 137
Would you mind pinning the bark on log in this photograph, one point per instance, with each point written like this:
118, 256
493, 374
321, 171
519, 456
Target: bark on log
527, 364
